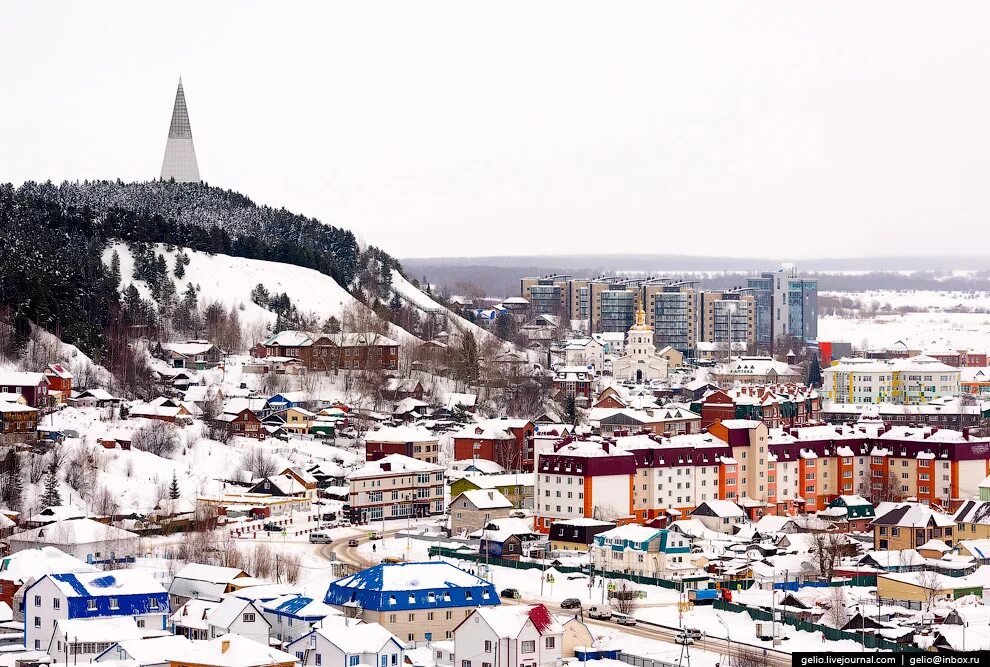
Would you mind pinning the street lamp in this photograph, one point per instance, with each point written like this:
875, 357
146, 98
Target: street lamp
728, 653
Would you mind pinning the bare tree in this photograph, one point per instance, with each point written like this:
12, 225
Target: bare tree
750, 658
826, 547
263, 561
930, 583
838, 612
157, 437
259, 463
624, 598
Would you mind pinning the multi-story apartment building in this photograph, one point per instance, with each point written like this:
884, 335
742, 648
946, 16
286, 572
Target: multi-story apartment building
613, 304
762, 288
672, 310
786, 305
550, 295
417, 602
905, 381
777, 471
728, 317
395, 486
795, 306
583, 478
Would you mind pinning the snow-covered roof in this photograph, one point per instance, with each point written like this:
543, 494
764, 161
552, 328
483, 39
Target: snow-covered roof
393, 464
36, 563
189, 348
913, 515
101, 630
21, 379
481, 465
360, 638
508, 621
229, 610
102, 584
300, 606
485, 499
73, 532
724, 508
400, 434
630, 532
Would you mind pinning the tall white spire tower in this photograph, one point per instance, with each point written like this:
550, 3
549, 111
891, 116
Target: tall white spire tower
180, 154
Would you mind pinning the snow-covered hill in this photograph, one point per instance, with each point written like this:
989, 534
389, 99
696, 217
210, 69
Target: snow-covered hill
230, 280
422, 302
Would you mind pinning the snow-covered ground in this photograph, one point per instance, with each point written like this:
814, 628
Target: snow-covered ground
917, 330
931, 299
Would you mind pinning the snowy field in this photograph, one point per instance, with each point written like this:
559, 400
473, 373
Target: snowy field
931, 299
916, 330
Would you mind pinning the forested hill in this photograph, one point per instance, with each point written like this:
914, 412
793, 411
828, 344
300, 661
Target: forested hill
53, 236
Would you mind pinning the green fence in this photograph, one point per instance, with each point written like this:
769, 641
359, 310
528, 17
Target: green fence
869, 641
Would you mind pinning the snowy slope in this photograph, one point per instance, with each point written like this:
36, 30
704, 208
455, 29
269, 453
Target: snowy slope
416, 298
230, 280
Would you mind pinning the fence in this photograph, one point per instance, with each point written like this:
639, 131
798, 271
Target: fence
566, 569
869, 641
640, 661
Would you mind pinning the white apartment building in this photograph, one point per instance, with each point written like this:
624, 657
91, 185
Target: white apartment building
911, 381
396, 486
509, 636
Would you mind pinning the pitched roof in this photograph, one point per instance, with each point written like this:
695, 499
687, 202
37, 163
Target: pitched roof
913, 515
73, 532
485, 499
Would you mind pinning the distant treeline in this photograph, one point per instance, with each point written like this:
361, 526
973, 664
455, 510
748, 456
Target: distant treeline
503, 281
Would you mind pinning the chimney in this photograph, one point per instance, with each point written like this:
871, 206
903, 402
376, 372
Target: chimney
224, 645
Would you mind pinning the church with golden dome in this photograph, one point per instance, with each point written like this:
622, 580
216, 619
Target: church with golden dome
640, 361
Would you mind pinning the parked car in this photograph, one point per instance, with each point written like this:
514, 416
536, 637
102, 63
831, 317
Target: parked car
272, 528
683, 639
319, 538
510, 593
376, 536
328, 516
624, 619
352, 542
693, 633
570, 603
600, 611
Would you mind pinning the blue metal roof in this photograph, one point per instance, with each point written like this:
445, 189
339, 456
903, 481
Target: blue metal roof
409, 586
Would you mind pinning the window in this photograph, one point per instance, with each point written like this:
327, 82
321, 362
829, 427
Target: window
114, 604
91, 605
37, 621
392, 618
353, 660
529, 646
248, 618
550, 642
465, 663
319, 659
57, 604
37, 600
152, 604
488, 646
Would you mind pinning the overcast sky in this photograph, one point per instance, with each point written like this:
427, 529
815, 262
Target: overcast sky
437, 129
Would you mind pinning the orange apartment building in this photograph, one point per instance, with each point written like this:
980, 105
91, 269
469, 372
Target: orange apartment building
769, 471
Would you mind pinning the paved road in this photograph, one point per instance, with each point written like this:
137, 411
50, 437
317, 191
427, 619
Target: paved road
351, 556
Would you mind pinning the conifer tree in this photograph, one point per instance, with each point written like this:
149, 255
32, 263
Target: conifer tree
173, 489
52, 496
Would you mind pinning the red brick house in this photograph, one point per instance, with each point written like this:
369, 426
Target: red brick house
575, 381
32, 386
327, 352
508, 442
